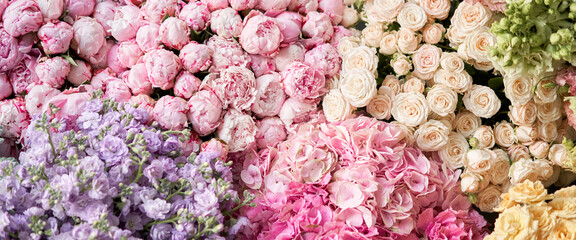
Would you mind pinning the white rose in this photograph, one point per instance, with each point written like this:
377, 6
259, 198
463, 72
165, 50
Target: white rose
477, 43
527, 169
523, 114
452, 154
393, 83
432, 135
482, 101
472, 182
448, 120
407, 133
460, 82
539, 149
401, 65
335, 107
485, 136
451, 62
410, 108
517, 152
456, 36
412, 17
466, 123
360, 57
544, 93
526, 134
408, 40
426, 60
388, 44
547, 132
501, 167
483, 66
504, 134
489, 198
347, 43
413, 84
432, 33
383, 10
442, 100
550, 112
469, 17
373, 34
479, 160
518, 89
438, 9
557, 154
333, 82
381, 106
358, 86
350, 17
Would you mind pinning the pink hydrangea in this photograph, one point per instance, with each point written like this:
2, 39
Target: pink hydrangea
186, 85
79, 8
55, 38
137, 80
88, 36
174, 33
22, 17
450, 224
13, 117
5, 86
235, 88
226, 53
196, 57
326, 58
170, 113
205, 112
163, 66
269, 97
38, 96
303, 80
53, 71
127, 21
196, 15
261, 34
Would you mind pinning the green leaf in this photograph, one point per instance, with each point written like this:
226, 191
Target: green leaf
496, 83
70, 60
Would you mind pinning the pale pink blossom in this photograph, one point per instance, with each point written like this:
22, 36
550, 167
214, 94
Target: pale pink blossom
226, 22
170, 112
13, 117
241, 5
196, 15
145, 102
271, 132
118, 90
289, 54
303, 6
53, 71
79, 74
155, 10
334, 8
226, 53
100, 59
214, 5
235, 88
261, 34
162, 66
5, 86
112, 60
22, 17
290, 24
71, 102
147, 37
3, 5
88, 37
196, 57
55, 38
23, 76
296, 111
262, 65
324, 57
273, 6
269, 97
10, 54
137, 80
127, 21
318, 27
238, 130
102, 77
205, 112
186, 85
51, 9
104, 13
79, 8
129, 53
38, 96
174, 33
302, 80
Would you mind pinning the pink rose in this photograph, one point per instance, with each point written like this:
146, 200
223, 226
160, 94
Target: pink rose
273, 6
51, 9
53, 71
290, 24
262, 65
226, 53
174, 33
205, 112
10, 54
196, 57
334, 8
301, 81
145, 102
318, 27
78, 8
118, 90
21, 17
196, 15
241, 5
269, 96
170, 113
238, 130
426, 60
235, 87
79, 74
261, 34
38, 96
162, 66
113, 62
226, 22
55, 38
126, 22
13, 117
303, 6
71, 102
186, 85
104, 13
296, 111
271, 131
100, 59
137, 80
129, 53
214, 5
23, 76
326, 58
88, 36
147, 37
5, 86
289, 54
155, 10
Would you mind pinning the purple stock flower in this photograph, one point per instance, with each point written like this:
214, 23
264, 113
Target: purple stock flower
93, 105
112, 149
161, 231
153, 141
171, 144
89, 120
100, 188
84, 231
155, 209
154, 171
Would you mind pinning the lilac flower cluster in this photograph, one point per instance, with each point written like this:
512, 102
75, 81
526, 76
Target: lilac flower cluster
109, 175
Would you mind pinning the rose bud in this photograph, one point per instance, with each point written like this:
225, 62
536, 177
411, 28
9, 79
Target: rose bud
78, 8
196, 15
241, 5
129, 53
147, 37
261, 34
79, 74
155, 10
88, 37
53, 71
226, 53
22, 17
5, 86
271, 131
23, 76
226, 22
137, 80
186, 85
290, 25
273, 6
269, 96
126, 22
214, 5
324, 57
318, 26
118, 90
38, 96
287, 55
301, 81
162, 66
170, 113
196, 57
174, 33
51, 9
238, 130
205, 112
113, 62
55, 38
303, 6
13, 117
104, 13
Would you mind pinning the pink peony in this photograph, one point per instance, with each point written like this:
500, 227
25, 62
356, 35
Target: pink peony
261, 34
191, 144
112, 60
53, 71
137, 80
55, 38
13, 117
3, 5
162, 66
79, 74
237, 130
88, 36
235, 88
145, 102
205, 112
290, 25
127, 21
71, 102
10, 54
100, 59
196, 57
302, 80
318, 27
102, 77
334, 8
271, 132
22, 17
241, 5
170, 113
147, 37
269, 96
226, 53
186, 85
23, 76
326, 58
214, 5
196, 15
296, 111
104, 13
262, 65
38, 96
129, 53
79, 8
273, 6
174, 33
155, 10
5, 86
118, 90
215, 145
303, 6
289, 54
339, 33
226, 22
51, 9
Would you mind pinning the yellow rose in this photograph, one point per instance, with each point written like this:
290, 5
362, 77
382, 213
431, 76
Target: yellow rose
505, 203
566, 192
528, 192
516, 223
542, 214
564, 229
564, 207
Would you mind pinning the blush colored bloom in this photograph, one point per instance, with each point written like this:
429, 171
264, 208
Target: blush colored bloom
269, 96
238, 130
53, 71
324, 57
118, 90
22, 17
186, 85
302, 80
14, 118
51, 9
126, 22
205, 112
226, 53
155, 10
318, 27
196, 15
129, 53
5, 86
261, 35
88, 36
10, 53
162, 66
79, 8
55, 38
174, 33
271, 132
170, 113
147, 37
196, 57
38, 96
290, 24
235, 87
104, 13
23, 76
226, 22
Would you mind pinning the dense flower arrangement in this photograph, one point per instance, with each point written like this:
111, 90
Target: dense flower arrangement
110, 175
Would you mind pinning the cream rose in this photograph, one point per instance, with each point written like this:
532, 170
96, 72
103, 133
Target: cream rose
372, 34
347, 43
460, 82
442, 100
485, 136
517, 152
383, 10
360, 57
335, 106
545, 94
466, 123
407, 133
448, 120
515, 223
438, 9
504, 134
477, 43
333, 82
489, 198
482, 101
432, 33
389, 43
550, 112
401, 65
358, 86
410, 108
557, 153
456, 36
451, 62
526, 134
408, 41
528, 169
426, 60
542, 214
479, 160
412, 17
472, 182
432, 135
539, 149
518, 89
547, 132
350, 17
469, 17
381, 106
564, 229
500, 168
524, 114
391, 82
528, 192
452, 154
413, 84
